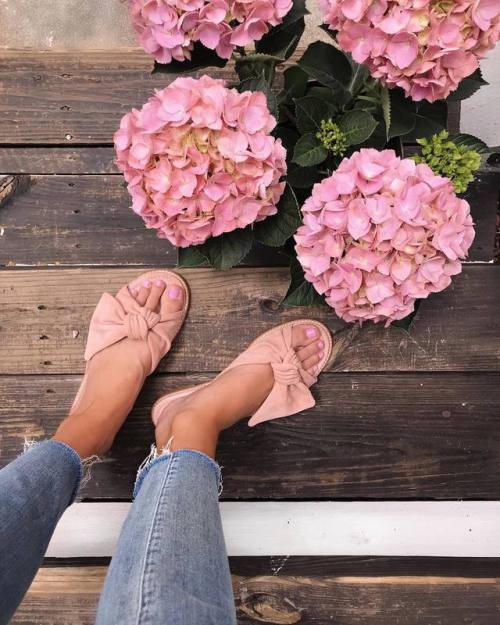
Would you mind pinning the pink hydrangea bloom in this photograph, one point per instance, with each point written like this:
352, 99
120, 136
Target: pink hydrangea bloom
380, 233
199, 160
167, 29
426, 47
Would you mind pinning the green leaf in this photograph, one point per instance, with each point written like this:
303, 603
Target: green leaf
357, 126
256, 65
471, 143
295, 82
300, 292
310, 111
283, 39
308, 151
277, 229
302, 177
359, 75
467, 87
430, 119
329, 66
191, 257
324, 94
201, 57
402, 111
228, 249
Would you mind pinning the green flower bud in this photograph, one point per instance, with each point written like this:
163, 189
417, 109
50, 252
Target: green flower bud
332, 137
445, 158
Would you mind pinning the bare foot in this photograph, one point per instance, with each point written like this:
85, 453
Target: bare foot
195, 421
113, 382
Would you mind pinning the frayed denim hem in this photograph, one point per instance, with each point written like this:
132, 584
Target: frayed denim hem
154, 458
84, 467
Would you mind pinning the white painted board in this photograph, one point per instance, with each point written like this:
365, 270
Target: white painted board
453, 529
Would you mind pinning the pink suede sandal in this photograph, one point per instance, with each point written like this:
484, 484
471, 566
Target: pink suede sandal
290, 393
116, 318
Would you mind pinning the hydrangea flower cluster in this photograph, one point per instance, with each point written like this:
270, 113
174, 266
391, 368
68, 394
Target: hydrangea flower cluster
168, 29
199, 160
446, 158
332, 137
380, 233
426, 47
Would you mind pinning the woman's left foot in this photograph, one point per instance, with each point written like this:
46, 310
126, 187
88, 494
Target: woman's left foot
195, 420
113, 379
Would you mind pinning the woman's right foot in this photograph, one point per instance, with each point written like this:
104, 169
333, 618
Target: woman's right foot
195, 420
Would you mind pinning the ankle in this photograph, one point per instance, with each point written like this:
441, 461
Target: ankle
84, 435
188, 429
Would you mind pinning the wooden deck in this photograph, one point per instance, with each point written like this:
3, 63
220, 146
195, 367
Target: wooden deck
404, 414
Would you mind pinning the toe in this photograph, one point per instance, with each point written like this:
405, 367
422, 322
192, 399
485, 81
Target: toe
310, 364
157, 289
134, 292
311, 350
304, 334
144, 291
174, 297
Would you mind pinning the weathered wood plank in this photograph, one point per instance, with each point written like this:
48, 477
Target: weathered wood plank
87, 220
483, 196
54, 160
374, 436
44, 318
65, 97
70, 595
82, 220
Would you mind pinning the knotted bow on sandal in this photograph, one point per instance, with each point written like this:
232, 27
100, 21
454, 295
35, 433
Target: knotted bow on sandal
120, 317
290, 393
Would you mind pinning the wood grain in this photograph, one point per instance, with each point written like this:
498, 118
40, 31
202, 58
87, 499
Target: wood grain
54, 160
375, 436
82, 220
70, 595
44, 317
65, 97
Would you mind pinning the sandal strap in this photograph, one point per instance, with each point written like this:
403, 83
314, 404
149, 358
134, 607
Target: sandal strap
290, 393
116, 318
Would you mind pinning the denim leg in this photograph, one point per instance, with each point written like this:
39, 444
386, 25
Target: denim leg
35, 489
171, 566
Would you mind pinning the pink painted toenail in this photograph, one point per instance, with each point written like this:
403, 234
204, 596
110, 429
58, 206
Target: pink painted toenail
321, 355
174, 292
311, 333
135, 292
146, 284
321, 344
160, 283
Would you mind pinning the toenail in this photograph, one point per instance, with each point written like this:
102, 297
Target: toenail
321, 355
160, 283
174, 292
134, 292
146, 284
311, 333
321, 344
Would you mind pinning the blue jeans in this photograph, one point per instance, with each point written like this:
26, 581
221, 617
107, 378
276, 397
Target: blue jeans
170, 566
